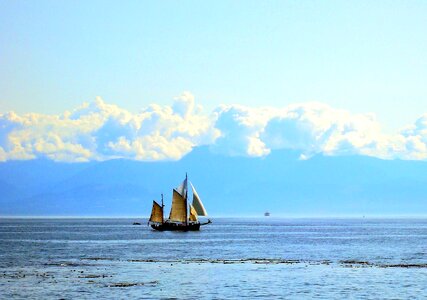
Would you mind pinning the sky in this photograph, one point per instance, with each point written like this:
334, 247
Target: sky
335, 76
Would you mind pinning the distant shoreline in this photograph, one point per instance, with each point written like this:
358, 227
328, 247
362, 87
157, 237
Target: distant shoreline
349, 217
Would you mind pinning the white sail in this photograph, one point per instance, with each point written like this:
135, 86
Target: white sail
197, 203
182, 188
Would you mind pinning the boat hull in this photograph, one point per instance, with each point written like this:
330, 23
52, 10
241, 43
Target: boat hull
176, 227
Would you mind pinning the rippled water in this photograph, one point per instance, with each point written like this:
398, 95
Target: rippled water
231, 258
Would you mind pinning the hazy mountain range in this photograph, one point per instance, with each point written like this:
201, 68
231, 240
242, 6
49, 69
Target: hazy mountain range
280, 183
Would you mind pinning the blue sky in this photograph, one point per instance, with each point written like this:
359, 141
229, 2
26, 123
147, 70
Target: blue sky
331, 77
363, 56
84, 81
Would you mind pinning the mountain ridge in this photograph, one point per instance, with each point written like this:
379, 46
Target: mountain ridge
280, 183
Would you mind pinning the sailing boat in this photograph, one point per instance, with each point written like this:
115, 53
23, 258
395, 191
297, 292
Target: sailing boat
182, 217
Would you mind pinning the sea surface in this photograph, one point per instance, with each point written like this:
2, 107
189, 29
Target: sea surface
264, 258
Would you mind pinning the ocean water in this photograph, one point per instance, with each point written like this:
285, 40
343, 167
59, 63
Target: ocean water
229, 259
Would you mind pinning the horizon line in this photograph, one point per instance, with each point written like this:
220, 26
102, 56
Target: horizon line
346, 216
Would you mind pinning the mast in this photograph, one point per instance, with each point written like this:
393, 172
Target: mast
185, 198
163, 206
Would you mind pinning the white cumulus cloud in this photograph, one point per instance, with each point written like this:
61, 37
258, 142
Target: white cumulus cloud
100, 131
414, 138
240, 129
314, 128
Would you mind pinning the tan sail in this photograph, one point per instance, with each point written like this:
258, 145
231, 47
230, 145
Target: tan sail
193, 214
178, 211
156, 213
197, 203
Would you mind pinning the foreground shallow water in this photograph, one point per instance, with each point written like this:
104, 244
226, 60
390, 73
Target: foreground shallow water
231, 258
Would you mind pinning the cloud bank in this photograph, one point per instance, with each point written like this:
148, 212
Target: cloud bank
101, 131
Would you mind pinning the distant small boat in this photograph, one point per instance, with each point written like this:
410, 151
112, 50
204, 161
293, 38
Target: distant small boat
182, 217
266, 214
136, 223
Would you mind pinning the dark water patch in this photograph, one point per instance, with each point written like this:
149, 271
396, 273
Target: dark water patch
355, 263
131, 284
349, 263
67, 264
151, 260
266, 261
97, 258
403, 266
91, 276
25, 274
273, 261
222, 261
